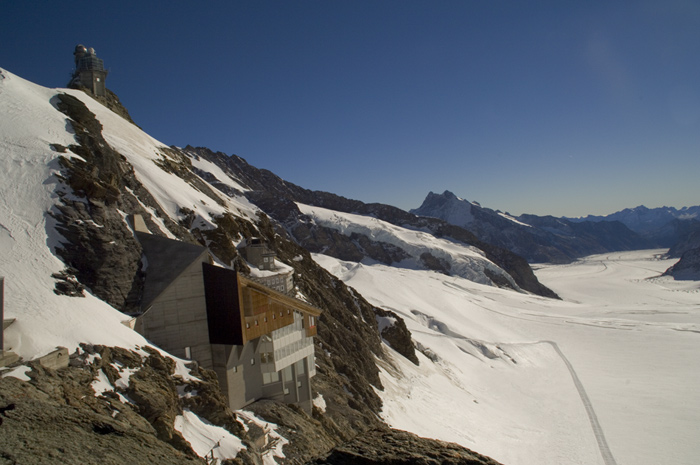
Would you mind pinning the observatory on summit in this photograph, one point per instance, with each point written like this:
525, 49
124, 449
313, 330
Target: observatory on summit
89, 71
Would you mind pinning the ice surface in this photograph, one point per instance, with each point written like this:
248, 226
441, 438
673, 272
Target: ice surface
493, 381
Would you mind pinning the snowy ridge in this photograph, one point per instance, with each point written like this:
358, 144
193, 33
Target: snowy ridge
28, 191
28, 168
171, 192
30, 124
466, 261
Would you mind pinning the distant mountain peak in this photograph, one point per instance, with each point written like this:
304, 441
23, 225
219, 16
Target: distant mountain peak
446, 206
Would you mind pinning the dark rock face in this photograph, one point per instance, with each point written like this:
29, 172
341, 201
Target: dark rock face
688, 267
397, 335
56, 417
97, 244
309, 437
394, 447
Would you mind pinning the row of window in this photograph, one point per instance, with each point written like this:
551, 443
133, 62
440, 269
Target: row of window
274, 317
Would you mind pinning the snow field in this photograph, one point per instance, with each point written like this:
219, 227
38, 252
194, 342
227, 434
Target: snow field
631, 338
207, 440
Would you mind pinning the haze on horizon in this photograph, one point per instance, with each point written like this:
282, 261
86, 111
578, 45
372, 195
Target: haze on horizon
539, 108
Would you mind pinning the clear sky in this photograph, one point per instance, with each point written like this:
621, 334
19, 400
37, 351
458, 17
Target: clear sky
557, 107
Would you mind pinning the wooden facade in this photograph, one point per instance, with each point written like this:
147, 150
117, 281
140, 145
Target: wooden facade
241, 309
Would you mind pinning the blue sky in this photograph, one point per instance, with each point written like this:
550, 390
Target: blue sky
557, 107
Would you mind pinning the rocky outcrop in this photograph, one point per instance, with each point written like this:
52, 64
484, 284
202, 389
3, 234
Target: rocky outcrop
688, 267
394, 332
57, 418
96, 243
394, 447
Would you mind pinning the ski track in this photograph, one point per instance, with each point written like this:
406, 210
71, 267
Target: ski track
595, 424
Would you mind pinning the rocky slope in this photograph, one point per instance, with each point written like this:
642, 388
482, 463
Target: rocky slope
55, 417
104, 256
96, 187
386, 446
278, 199
537, 239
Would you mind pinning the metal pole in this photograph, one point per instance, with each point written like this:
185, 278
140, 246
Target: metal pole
2, 313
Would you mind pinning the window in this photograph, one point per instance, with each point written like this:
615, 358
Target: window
252, 361
188, 353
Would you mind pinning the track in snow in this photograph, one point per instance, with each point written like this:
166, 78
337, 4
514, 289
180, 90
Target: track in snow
597, 429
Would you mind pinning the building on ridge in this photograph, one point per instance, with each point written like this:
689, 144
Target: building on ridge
264, 268
89, 71
257, 339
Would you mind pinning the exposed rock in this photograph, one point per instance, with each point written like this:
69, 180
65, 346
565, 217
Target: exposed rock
56, 418
688, 267
396, 334
431, 262
110, 100
393, 447
308, 437
67, 283
97, 243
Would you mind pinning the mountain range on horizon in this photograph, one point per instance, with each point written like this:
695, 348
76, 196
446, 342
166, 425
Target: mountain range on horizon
75, 170
542, 239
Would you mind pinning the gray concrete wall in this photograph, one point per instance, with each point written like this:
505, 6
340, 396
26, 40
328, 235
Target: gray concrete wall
94, 80
239, 379
178, 318
55, 360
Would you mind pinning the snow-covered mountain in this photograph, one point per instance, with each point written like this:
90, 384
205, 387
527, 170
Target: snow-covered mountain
74, 171
659, 225
425, 328
538, 239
